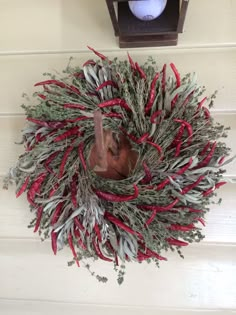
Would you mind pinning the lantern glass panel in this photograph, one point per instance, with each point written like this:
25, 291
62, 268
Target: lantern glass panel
167, 22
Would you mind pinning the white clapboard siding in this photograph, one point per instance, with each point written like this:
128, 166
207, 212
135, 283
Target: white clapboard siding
215, 69
40, 36
204, 279
10, 127
13, 307
71, 25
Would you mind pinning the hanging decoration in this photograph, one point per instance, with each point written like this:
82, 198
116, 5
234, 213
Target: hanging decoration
121, 161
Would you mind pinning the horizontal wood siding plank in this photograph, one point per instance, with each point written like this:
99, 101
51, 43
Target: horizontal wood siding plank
60, 26
27, 307
204, 279
216, 69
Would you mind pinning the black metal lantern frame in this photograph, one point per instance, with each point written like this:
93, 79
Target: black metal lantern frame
163, 31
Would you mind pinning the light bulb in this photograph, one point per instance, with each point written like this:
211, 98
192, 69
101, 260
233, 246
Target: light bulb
147, 10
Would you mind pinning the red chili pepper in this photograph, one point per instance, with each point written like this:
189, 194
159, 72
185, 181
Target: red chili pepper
177, 76
190, 209
140, 71
159, 208
38, 137
143, 138
51, 82
107, 83
39, 217
154, 116
98, 232
187, 99
131, 62
98, 251
73, 188
34, 188
38, 122
47, 135
43, 97
221, 160
114, 115
152, 217
120, 224
75, 106
54, 242
80, 242
130, 136
152, 93
117, 198
141, 256
97, 53
163, 80
208, 158
211, 190
23, 187
218, 185
156, 146
70, 242
50, 159
177, 150
153, 254
206, 112
199, 106
73, 89
48, 124
78, 223
80, 118
53, 190
206, 147
188, 126
56, 213
201, 103
64, 160
183, 228
148, 174
81, 155
163, 184
201, 221
79, 75
115, 102
173, 102
208, 192
173, 241
135, 139
89, 62
185, 167
193, 185
68, 133
111, 249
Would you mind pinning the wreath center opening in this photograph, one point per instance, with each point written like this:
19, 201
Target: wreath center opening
112, 155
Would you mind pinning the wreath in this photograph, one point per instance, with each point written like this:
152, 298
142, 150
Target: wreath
121, 160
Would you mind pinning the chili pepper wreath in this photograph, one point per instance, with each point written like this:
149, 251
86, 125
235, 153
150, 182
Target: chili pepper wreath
121, 161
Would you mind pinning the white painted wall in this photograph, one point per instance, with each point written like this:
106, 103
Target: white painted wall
38, 36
